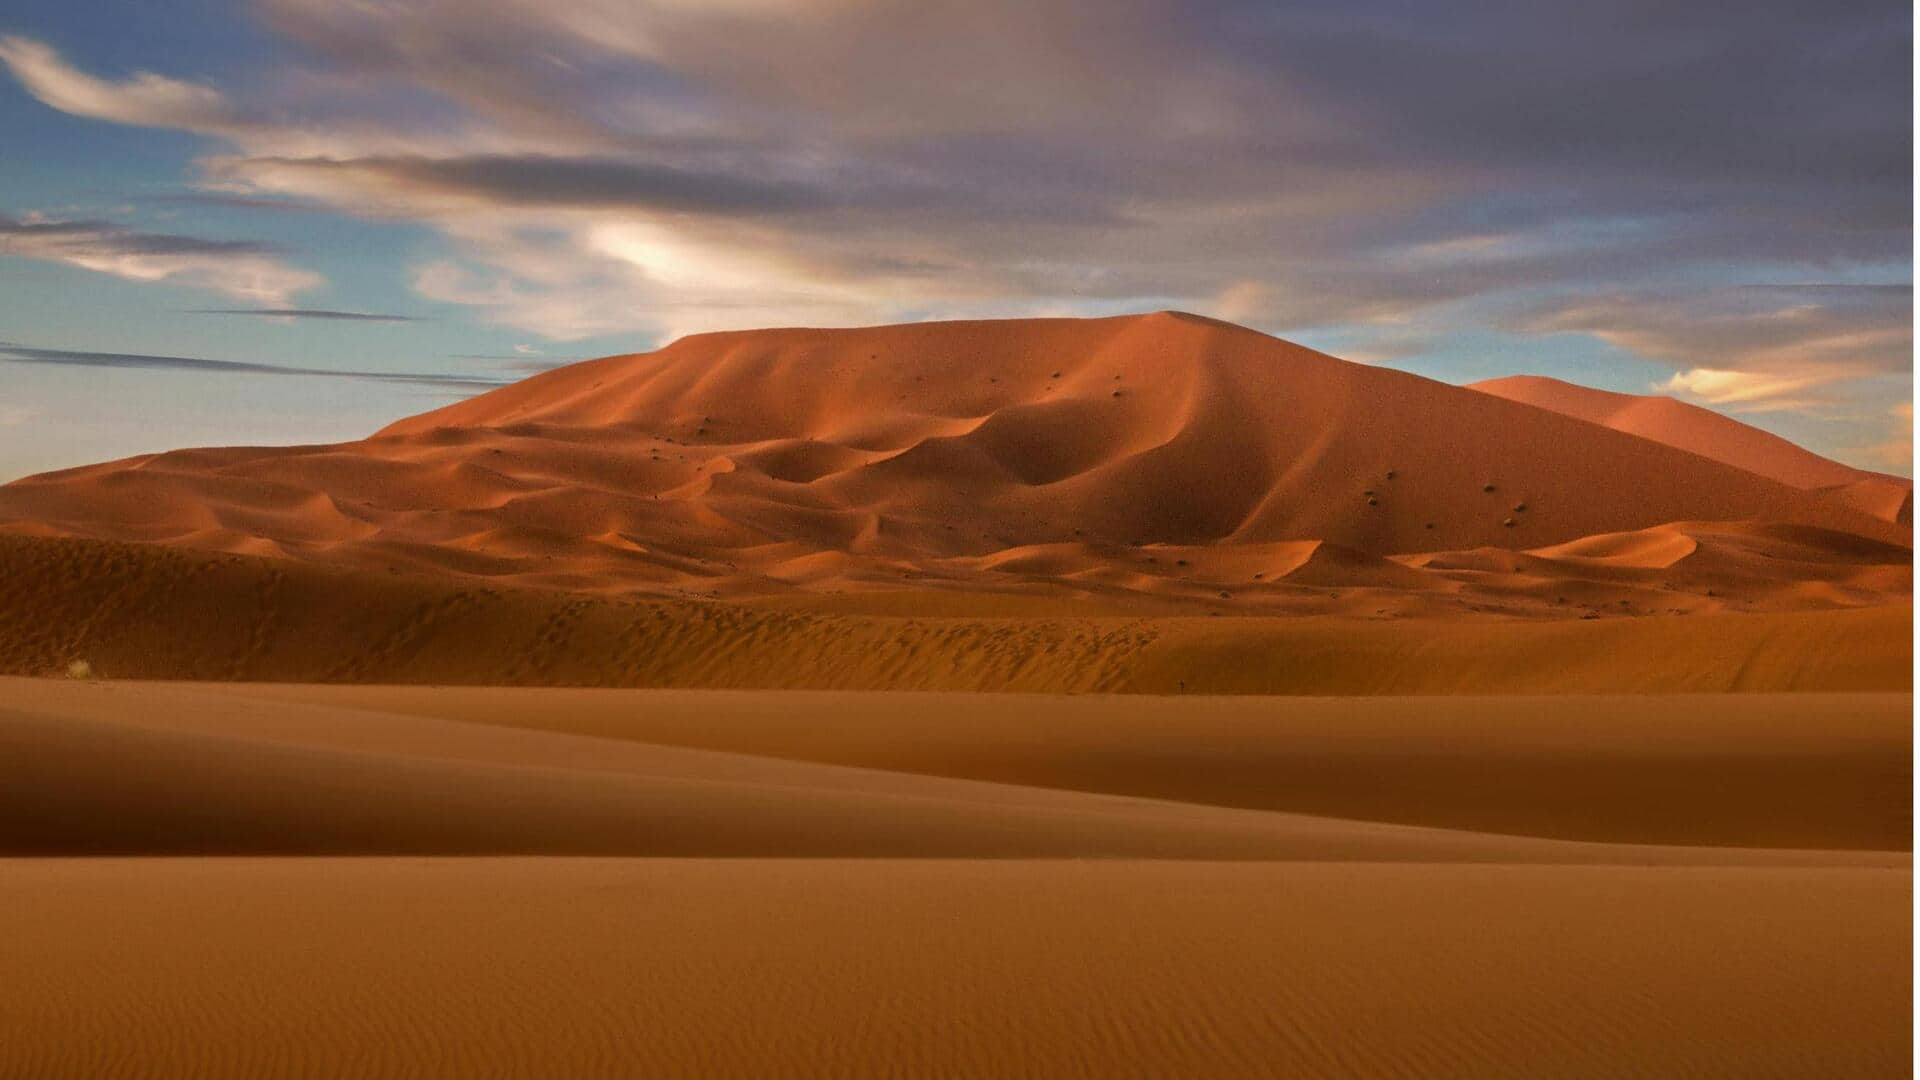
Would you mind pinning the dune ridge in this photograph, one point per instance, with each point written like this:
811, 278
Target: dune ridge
391, 881
1713, 435
1160, 459
229, 769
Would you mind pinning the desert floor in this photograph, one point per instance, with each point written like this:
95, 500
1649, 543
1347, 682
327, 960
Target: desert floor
281, 879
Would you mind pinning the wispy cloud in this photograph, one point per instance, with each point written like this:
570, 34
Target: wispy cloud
1388, 174
307, 313
145, 99
1895, 451
243, 270
1752, 348
21, 354
15, 415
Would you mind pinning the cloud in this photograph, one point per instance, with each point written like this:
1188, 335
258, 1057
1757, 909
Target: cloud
1896, 450
16, 415
21, 354
243, 270
144, 99
1745, 391
307, 313
1386, 175
1752, 348
532, 180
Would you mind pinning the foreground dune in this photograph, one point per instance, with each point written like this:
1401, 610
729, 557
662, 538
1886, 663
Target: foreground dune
196, 768
1742, 770
879, 884
520, 967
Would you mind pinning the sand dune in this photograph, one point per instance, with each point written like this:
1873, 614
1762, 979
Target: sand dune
1825, 771
145, 611
145, 769
519, 967
1159, 459
1712, 435
343, 843
872, 884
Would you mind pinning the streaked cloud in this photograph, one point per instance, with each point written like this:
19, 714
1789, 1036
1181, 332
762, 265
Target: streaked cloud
16, 415
1384, 175
1895, 451
307, 313
21, 354
145, 99
1753, 348
243, 270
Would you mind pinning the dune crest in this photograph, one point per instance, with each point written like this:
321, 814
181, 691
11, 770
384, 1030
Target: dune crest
1712, 435
1160, 458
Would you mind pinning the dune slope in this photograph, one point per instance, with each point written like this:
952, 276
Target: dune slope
1150, 457
865, 885
786, 967
1712, 435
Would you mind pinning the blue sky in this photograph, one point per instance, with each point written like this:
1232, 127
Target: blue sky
1631, 195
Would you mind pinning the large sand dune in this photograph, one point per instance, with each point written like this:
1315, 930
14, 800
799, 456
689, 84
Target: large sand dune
882, 884
313, 854
1160, 459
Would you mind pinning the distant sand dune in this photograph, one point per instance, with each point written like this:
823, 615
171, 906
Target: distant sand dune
1713, 435
143, 611
1162, 460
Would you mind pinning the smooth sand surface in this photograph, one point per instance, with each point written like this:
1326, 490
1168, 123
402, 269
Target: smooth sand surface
191, 768
1159, 461
946, 884
1746, 770
148, 611
799, 967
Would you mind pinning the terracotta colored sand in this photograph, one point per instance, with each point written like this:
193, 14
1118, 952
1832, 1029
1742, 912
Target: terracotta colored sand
145, 611
785, 967
1027, 885
1163, 460
293, 865
1713, 435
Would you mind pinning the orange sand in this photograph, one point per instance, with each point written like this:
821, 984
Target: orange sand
146, 611
1160, 459
1660, 870
872, 884
1713, 435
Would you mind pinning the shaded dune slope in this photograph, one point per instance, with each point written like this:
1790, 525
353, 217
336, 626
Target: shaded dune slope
136, 768
1741, 770
1161, 457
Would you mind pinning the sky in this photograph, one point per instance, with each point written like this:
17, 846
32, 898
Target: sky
287, 221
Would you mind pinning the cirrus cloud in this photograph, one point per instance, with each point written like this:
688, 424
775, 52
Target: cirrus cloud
243, 270
1391, 173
